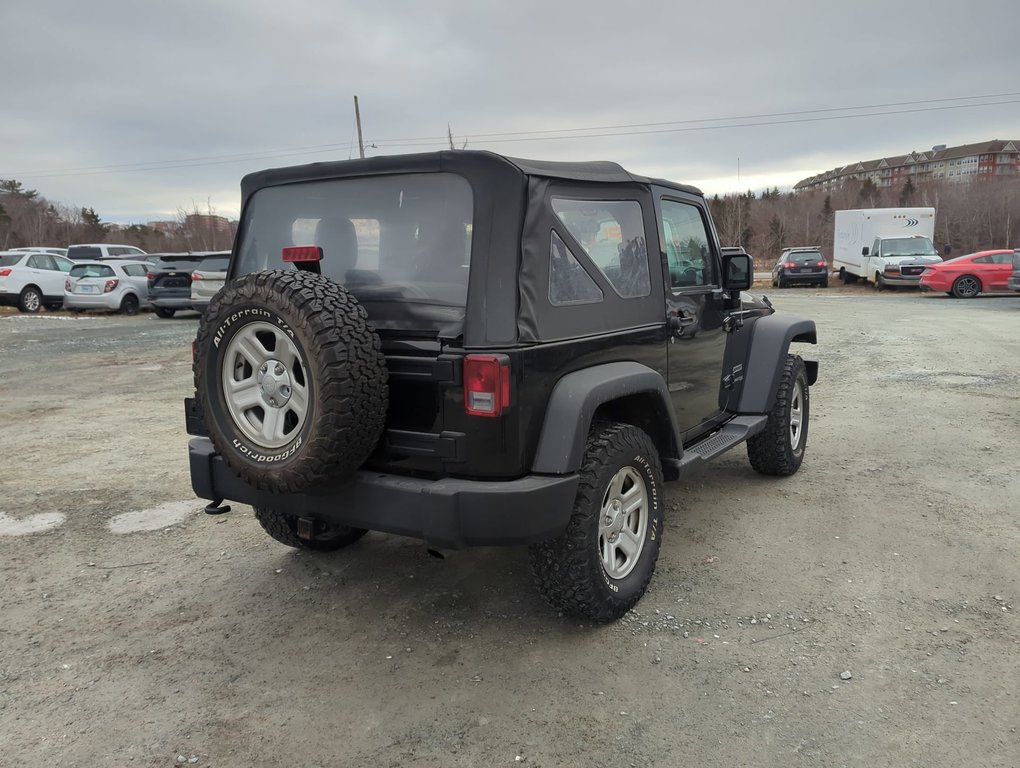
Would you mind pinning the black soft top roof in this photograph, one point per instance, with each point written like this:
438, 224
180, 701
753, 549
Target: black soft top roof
449, 160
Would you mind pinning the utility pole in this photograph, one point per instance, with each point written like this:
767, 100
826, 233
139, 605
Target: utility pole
740, 204
357, 118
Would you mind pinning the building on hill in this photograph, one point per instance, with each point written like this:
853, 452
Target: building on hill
985, 160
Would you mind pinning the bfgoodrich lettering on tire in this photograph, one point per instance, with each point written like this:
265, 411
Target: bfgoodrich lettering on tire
601, 565
291, 379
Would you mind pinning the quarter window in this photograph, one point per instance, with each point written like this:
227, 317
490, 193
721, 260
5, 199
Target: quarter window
612, 234
569, 283
688, 252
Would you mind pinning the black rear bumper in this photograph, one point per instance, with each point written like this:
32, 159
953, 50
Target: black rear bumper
446, 513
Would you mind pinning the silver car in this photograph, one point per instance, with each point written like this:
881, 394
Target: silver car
208, 279
115, 285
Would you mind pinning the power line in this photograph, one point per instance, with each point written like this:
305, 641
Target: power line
554, 134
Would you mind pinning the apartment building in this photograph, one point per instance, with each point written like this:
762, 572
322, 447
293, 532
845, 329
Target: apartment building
985, 160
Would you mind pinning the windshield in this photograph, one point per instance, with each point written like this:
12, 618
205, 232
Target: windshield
91, 270
401, 244
909, 246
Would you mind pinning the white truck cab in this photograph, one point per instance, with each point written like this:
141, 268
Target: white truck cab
888, 246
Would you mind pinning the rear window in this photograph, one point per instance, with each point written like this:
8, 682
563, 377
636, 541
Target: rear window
804, 257
91, 270
401, 244
84, 252
10, 259
214, 264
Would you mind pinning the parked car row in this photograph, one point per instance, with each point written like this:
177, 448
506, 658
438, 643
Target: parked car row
963, 277
166, 282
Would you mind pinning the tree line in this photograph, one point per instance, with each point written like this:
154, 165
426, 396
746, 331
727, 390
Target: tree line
28, 218
969, 216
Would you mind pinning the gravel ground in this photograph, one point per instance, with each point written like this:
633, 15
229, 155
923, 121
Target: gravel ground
860, 613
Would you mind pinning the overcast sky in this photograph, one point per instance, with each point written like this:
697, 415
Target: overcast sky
140, 108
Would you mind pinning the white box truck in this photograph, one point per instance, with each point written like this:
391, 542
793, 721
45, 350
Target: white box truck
888, 246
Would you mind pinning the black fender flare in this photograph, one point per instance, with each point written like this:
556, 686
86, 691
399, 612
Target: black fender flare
574, 401
770, 341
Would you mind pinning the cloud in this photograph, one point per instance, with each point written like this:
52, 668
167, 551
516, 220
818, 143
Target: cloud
138, 109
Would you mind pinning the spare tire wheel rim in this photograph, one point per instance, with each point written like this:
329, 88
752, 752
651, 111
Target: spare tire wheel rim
265, 387
623, 523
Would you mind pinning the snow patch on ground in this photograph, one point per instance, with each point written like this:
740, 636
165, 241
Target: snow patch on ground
31, 524
154, 519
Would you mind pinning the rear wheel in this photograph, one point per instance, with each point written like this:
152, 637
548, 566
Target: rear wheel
966, 287
846, 277
129, 304
779, 448
316, 535
31, 300
600, 566
165, 312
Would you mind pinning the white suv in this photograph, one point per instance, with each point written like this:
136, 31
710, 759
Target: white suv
93, 251
30, 281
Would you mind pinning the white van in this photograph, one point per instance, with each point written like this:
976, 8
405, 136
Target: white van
889, 246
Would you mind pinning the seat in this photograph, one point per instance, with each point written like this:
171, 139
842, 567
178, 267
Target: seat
339, 242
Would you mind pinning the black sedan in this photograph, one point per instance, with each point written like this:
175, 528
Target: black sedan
801, 265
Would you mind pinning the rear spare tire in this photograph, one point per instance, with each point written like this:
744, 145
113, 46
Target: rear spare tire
291, 379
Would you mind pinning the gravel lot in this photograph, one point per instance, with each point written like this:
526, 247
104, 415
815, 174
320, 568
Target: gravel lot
861, 613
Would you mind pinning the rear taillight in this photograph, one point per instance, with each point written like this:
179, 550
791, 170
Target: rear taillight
110, 285
150, 275
196, 276
789, 265
300, 253
5, 272
67, 285
820, 264
486, 384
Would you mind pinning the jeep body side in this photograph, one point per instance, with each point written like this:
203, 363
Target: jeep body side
591, 296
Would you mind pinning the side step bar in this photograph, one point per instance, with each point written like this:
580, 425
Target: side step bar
733, 433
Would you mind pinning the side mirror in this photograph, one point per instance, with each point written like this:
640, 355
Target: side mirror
864, 251
738, 272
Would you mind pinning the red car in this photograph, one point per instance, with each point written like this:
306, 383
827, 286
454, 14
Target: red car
966, 276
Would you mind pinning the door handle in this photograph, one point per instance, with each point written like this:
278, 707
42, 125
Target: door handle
680, 320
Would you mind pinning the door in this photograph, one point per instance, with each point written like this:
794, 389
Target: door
695, 314
47, 276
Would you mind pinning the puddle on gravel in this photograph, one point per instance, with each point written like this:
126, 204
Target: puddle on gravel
153, 519
31, 524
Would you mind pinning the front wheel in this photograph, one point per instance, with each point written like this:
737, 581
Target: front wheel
779, 448
600, 566
879, 282
321, 538
165, 312
966, 287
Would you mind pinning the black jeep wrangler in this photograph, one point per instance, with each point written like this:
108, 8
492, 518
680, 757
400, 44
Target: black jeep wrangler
479, 350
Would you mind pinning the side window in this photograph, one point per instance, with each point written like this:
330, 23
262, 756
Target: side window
569, 283
42, 261
688, 252
134, 270
983, 260
612, 234
1002, 258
